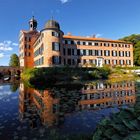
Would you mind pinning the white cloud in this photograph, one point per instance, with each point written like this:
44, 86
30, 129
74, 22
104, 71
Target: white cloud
7, 45
1, 55
98, 35
15, 44
64, 1
5, 48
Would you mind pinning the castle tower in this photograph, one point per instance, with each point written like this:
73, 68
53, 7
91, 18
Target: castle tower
32, 24
51, 39
26, 41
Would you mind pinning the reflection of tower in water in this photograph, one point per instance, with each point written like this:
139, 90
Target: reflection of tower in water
27, 109
41, 107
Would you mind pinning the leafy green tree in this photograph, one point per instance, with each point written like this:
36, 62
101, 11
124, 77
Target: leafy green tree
135, 39
14, 60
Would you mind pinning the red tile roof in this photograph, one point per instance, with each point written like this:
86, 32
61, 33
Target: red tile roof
93, 39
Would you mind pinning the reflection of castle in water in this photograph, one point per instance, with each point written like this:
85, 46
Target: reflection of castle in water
103, 95
47, 107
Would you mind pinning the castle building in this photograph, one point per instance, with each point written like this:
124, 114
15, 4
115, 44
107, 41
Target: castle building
50, 47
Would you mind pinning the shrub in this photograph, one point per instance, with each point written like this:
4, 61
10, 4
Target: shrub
105, 71
95, 74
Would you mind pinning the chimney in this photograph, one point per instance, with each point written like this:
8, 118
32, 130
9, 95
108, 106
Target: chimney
69, 34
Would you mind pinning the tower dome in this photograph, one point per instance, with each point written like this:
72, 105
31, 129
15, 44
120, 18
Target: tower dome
52, 24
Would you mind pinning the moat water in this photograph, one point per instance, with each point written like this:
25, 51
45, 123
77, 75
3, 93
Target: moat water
59, 112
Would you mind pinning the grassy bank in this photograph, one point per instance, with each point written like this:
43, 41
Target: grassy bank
119, 74
49, 76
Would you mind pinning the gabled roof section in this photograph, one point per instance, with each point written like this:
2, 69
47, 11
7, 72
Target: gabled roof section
29, 32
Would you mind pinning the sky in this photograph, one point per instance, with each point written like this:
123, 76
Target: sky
111, 19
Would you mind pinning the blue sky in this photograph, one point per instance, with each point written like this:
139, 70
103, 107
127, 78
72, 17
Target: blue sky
105, 18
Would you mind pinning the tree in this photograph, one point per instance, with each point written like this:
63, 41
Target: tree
14, 60
135, 39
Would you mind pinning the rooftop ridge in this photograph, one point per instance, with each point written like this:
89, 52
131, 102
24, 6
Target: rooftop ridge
93, 38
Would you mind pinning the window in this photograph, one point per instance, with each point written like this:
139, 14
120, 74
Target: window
84, 43
55, 34
93, 52
64, 51
72, 42
114, 62
78, 42
127, 53
81, 52
55, 46
66, 42
99, 52
84, 52
121, 53
128, 62
78, 52
87, 52
107, 61
75, 51
96, 52
25, 38
56, 60
106, 53
69, 42
69, 51
121, 62
114, 53
90, 43
90, 52
96, 44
